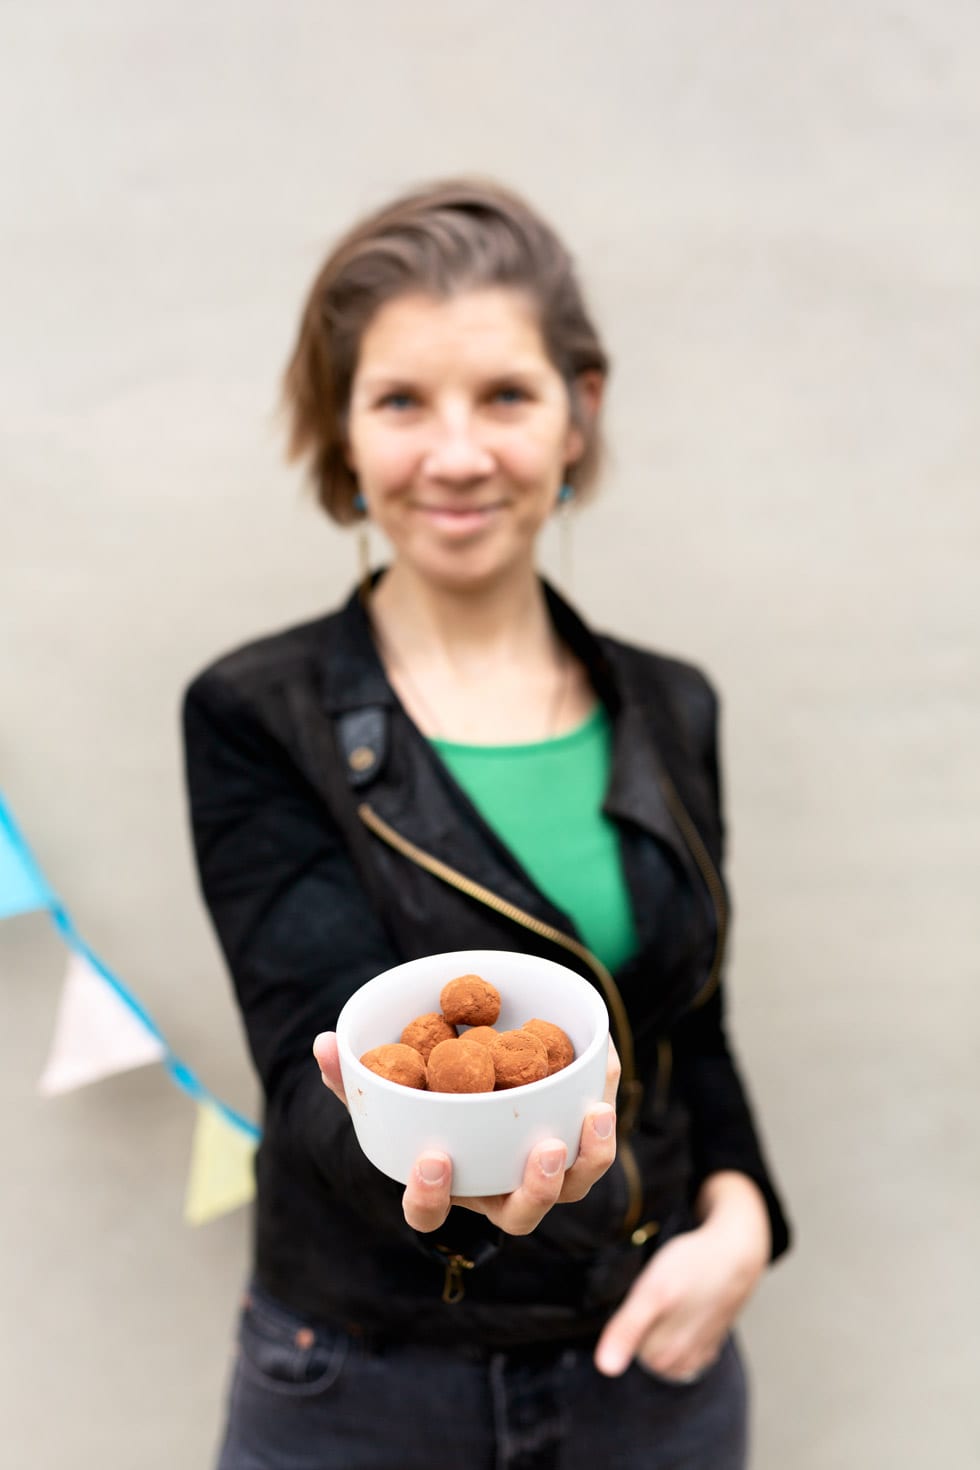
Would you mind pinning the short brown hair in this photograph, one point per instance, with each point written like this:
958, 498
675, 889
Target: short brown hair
461, 234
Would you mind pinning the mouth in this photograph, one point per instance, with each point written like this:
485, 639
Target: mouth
460, 520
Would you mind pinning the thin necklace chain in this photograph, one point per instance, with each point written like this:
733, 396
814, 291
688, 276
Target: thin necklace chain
436, 727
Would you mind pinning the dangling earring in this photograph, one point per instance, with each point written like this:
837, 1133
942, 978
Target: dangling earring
363, 544
565, 497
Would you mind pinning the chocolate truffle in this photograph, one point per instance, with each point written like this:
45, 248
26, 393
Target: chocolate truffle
518, 1057
469, 1000
396, 1062
427, 1031
456, 1067
482, 1035
557, 1043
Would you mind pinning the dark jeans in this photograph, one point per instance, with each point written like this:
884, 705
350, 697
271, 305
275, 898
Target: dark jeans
309, 1397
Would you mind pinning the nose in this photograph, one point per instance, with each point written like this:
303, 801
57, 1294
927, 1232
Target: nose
455, 454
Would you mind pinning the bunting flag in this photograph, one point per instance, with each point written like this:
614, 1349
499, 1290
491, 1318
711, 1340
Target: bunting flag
96, 1033
101, 1028
22, 888
222, 1173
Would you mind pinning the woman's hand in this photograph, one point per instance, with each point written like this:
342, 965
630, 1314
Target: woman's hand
680, 1309
547, 1182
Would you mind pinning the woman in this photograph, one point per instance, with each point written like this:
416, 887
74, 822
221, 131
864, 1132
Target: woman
453, 760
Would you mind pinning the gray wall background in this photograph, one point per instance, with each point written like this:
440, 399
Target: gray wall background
775, 209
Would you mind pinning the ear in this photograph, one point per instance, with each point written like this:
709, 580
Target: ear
586, 394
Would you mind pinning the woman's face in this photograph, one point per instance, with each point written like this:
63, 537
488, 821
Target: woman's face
460, 431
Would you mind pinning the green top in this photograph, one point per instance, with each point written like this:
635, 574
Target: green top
544, 800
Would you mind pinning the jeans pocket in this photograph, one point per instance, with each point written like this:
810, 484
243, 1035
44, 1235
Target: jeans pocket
680, 1385
281, 1352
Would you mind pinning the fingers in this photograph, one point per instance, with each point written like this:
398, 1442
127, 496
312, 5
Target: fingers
521, 1212
546, 1182
325, 1051
597, 1150
427, 1196
613, 1071
597, 1146
627, 1328
675, 1365
646, 1329
428, 1193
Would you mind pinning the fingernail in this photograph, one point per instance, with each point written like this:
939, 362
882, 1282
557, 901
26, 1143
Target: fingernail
432, 1171
551, 1162
610, 1363
604, 1124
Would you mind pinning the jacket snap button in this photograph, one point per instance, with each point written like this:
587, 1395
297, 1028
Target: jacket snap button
360, 758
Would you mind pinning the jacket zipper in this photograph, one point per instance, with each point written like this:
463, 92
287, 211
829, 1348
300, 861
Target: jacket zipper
453, 1289
716, 892
712, 881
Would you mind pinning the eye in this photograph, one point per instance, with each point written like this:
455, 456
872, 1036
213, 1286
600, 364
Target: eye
509, 393
397, 400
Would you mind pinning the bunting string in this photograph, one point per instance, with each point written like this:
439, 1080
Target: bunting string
102, 1028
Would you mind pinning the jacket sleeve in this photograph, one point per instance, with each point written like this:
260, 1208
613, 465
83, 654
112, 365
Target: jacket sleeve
294, 923
724, 1134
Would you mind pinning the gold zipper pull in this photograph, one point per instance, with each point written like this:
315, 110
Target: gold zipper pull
453, 1289
643, 1234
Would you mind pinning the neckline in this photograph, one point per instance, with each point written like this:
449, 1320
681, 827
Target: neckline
593, 719
351, 673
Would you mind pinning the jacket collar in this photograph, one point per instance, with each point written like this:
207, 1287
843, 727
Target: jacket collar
353, 679
353, 675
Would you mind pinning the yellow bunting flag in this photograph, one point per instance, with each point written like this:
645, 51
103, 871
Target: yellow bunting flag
222, 1174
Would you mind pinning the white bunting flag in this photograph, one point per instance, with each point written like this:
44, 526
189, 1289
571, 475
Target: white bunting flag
96, 1033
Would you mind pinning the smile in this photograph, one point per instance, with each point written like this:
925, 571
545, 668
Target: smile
459, 520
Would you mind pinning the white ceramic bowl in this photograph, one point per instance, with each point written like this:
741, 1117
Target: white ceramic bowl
488, 1135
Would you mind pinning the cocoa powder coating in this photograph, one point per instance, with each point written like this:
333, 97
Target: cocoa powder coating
557, 1043
427, 1031
455, 1066
518, 1058
469, 1000
482, 1035
396, 1062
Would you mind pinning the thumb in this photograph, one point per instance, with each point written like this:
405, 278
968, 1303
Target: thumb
328, 1060
627, 1327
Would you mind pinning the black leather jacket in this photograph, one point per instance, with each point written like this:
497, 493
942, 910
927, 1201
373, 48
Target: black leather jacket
332, 843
